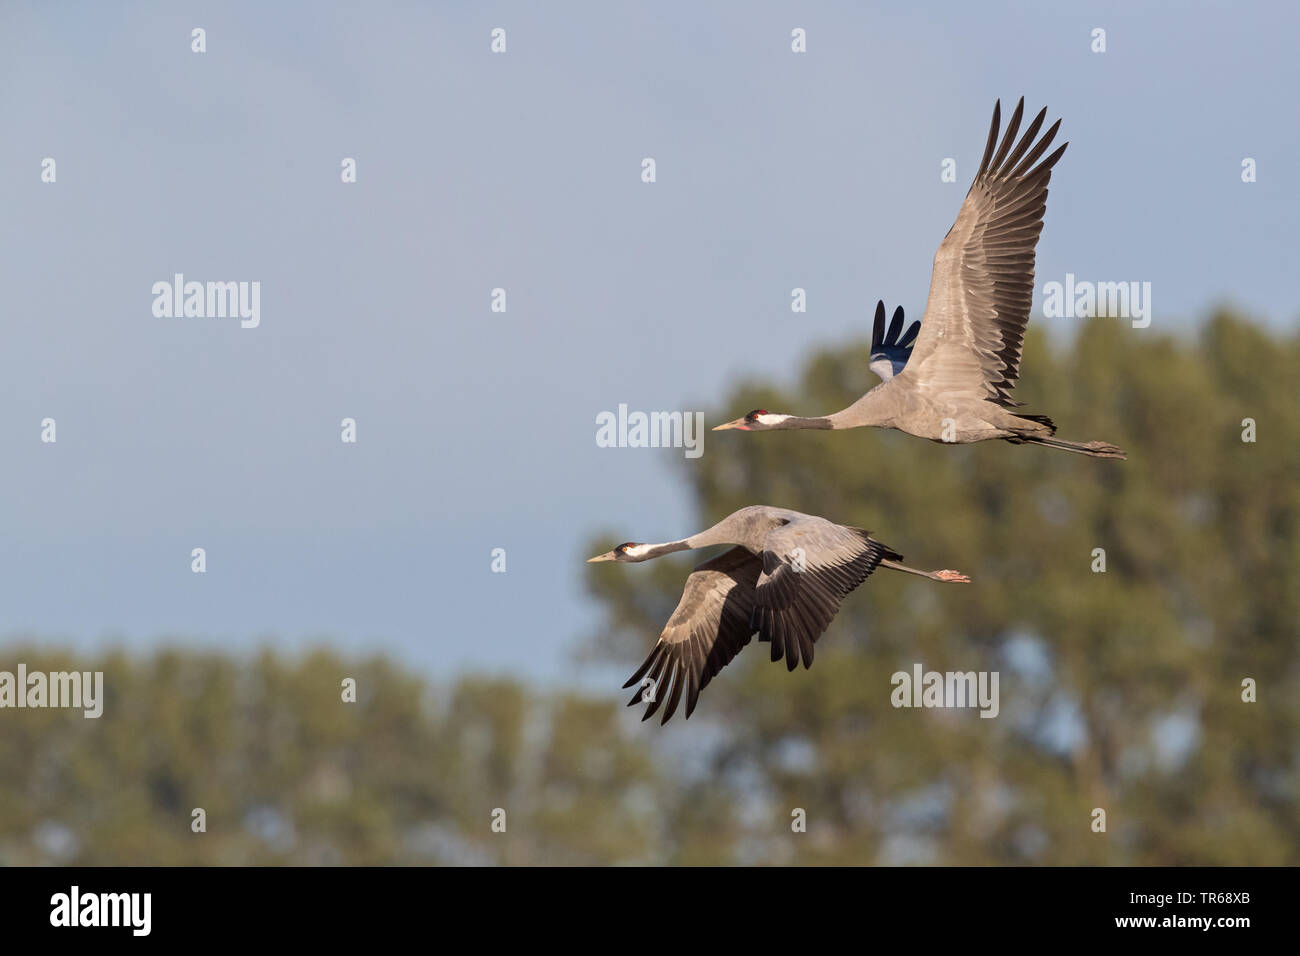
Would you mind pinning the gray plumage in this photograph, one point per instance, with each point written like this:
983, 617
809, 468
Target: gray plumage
784, 580
954, 384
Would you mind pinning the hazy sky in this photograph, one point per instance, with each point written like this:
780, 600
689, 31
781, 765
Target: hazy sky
523, 171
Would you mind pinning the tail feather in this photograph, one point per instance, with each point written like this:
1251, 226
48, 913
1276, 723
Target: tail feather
886, 552
1041, 420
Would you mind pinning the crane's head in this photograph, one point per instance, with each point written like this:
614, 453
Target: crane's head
759, 420
627, 551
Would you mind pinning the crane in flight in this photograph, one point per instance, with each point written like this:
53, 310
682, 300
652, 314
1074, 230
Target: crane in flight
784, 580
952, 382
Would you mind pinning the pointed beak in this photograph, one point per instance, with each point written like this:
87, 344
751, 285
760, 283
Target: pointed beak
607, 556
738, 423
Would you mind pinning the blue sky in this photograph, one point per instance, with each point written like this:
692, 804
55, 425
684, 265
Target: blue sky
522, 171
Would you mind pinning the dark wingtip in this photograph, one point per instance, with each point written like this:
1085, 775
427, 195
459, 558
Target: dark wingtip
1009, 137
993, 138
895, 326
1050, 161
1039, 148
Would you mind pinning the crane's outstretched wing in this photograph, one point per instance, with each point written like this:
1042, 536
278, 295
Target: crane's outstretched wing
709, 628
983, 279
809, 566
889, 351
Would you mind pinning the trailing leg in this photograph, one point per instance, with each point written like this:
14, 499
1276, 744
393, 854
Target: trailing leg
951, 577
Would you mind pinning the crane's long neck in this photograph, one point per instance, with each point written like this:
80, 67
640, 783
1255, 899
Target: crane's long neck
724, 532
794, 421
730, 530
647, 552
873, 408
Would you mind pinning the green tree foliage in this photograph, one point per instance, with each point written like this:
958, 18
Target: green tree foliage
1120, 690
287, 772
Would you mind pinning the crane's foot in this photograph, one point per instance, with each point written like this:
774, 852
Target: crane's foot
1104, 449
951, 577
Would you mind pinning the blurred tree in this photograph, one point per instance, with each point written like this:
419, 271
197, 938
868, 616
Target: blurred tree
1119, 690
287, 772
